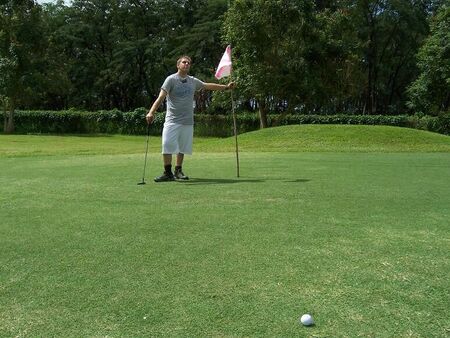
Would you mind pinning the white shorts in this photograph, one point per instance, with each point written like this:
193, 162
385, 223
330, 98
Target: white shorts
177, 138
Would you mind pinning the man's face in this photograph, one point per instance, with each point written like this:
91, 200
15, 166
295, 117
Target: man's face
184, 65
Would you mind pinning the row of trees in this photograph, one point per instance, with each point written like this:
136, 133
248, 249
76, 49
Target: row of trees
322, 56
360, 56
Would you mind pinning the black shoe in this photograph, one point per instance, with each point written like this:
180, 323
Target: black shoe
165, 177
179, 175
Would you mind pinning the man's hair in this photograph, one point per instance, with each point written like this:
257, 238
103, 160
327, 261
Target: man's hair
184, 57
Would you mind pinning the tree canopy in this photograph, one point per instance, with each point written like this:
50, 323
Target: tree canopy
22, 43
430, 93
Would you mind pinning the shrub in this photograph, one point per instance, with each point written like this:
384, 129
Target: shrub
133, 123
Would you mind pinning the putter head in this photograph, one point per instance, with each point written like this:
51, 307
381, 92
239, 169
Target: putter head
141, 183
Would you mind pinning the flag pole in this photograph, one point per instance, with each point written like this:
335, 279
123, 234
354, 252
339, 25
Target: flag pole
225, 69
235, 132
234, 123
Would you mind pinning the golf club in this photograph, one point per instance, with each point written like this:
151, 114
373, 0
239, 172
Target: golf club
146, 152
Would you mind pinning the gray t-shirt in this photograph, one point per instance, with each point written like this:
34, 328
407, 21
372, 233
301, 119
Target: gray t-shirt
180, 98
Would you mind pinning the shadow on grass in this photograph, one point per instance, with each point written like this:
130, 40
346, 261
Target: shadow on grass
69, 135
194, 181
299, 180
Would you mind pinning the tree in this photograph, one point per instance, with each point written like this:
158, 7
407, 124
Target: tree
389, 35
430, 93
21, 48
271, 42
326, 56
55, 87
115, 53
202, 42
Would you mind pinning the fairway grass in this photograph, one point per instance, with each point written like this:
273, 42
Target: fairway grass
297, 138
359, 239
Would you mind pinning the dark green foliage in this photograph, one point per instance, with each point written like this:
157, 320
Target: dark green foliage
21, 56
81, 122
353, 56
116, 54
274, 45
302, 57
133, 123
200, 39
434, 124
430, 93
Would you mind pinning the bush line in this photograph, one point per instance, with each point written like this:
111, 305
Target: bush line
133, 123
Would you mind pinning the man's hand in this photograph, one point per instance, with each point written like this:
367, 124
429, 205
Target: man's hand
150, 117
231, 85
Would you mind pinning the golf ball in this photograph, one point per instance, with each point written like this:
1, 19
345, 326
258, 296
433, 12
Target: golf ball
307, 320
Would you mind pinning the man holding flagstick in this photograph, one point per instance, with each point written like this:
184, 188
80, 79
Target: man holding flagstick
178, 131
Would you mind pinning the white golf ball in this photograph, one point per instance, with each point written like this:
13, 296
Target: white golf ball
307, 320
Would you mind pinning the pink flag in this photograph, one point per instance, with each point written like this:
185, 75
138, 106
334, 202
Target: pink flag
224, 67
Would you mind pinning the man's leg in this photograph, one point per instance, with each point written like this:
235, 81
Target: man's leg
185, 143
167, 174
167, 159
179, 175
169, 135
180, 158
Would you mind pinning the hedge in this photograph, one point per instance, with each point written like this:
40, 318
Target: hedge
133, 123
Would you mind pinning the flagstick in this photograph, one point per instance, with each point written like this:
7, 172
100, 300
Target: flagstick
224, 69
235, 134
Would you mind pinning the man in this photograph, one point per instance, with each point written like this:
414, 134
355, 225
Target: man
178, 131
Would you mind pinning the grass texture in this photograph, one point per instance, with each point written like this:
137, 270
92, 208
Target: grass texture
298, 138
356, 234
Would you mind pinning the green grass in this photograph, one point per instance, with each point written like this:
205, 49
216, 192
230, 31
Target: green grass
356, 233
299, 138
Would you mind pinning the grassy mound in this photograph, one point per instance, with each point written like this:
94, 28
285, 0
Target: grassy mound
298, 138
336, 138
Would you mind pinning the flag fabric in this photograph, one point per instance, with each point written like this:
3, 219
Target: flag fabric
224, 67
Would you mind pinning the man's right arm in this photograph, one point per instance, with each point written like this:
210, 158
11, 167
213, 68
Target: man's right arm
151, 114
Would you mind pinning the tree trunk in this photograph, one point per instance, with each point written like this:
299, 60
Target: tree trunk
8, 113
371, 54
262, 114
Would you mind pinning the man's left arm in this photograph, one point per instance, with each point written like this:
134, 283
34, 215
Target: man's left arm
217, 86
